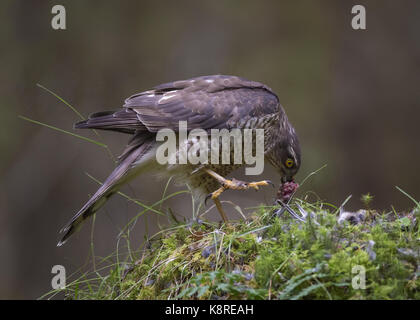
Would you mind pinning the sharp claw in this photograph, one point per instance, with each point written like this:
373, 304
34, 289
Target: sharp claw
290, 210
207, 198
302, 211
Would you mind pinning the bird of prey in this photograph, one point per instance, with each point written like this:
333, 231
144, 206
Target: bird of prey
206, 102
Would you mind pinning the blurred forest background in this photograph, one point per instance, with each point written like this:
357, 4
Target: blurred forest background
353, 97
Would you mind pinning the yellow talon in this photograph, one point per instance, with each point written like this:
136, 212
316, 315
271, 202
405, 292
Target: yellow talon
217, 193
233, 185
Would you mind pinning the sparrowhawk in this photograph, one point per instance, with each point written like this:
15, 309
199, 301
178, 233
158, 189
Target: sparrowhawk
207, 102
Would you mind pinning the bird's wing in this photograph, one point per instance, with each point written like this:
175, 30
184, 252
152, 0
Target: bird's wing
125, 121
207, 102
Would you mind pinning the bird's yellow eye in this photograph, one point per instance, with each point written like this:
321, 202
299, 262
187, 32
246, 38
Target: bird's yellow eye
289, 163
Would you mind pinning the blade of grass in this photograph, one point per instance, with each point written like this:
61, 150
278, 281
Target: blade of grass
312, 173
64, 131
153, 205
74, 110
62, 100
343, 204
146, 207
164, 191
408, 196
129, 198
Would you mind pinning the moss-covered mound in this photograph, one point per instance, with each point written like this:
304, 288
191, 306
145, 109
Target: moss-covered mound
271, 256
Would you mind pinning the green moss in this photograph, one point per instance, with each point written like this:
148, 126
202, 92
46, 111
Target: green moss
270, 257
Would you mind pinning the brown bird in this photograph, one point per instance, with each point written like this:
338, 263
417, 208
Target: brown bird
207, 102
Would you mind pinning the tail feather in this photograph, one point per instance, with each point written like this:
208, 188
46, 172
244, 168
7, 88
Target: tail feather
121, 174
125, 121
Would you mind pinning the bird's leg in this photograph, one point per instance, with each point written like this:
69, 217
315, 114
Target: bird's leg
233, 185
220, 209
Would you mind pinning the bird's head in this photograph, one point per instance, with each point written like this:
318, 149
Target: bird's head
287, 155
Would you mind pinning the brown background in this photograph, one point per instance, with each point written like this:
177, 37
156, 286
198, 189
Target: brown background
353, 97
